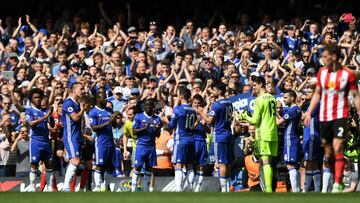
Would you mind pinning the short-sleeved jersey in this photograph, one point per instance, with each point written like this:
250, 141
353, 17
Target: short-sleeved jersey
39, 132
183, 119
221, 111
146, 138
264, 118
292, 117
72, 129
128, 132
104, 135
335, 87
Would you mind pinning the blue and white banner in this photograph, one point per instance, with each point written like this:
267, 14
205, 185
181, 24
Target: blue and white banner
245, 101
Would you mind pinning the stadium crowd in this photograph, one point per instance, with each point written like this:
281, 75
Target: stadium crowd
71, 88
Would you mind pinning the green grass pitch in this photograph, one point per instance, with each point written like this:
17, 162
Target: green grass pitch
107, 197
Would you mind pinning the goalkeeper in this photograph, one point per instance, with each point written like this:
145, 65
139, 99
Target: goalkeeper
266, 136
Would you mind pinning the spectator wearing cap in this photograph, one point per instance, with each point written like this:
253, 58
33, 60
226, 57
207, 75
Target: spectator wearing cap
139, 104
12, 61
23, 87
133, 36
117, 99
74, 72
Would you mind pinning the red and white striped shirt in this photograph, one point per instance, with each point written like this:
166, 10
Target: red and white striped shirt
335, 87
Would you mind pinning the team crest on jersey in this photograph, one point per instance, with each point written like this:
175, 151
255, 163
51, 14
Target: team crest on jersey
286, 116
27, 117
91, 120
332, 85
34, 158
212, 113
70, 109
101, 160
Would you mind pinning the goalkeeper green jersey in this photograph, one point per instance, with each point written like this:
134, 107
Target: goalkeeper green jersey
264, 118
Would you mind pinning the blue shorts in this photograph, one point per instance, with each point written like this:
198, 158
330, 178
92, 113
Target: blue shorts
118, 158
183, 153
104, 155
201, 154
292, 152
40, 151
224, 152
311, 147
73, 148
145, 155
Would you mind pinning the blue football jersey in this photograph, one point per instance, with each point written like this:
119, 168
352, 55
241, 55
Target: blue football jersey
313, 129
98, 116
292, 117
39, 132
200, 132
290, 44
146, 138
222, 111
183, 119
72, 129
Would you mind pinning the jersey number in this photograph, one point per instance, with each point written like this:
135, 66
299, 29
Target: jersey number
272, 107
190, 121
340, 132
229, 112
